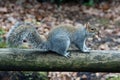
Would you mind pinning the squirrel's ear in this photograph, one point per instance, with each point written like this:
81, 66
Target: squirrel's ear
87, 25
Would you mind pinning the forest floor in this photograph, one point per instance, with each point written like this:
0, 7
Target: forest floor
105, 17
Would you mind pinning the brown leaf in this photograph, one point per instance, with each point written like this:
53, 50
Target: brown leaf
104, 6
3, 9
104, 47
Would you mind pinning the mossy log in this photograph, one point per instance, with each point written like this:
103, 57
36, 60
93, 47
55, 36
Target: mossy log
33, 59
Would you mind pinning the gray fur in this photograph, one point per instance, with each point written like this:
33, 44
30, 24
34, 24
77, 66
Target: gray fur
59, 39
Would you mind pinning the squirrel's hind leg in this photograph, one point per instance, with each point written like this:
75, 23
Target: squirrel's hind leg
60, 45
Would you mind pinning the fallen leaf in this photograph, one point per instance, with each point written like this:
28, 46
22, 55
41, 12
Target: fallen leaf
104, 47
3, 9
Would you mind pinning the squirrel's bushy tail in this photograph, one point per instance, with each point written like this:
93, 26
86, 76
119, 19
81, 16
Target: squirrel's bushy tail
23, 31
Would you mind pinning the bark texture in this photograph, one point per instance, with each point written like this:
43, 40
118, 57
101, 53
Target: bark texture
33, 59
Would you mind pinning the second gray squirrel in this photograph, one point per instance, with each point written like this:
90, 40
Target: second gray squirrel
59, 38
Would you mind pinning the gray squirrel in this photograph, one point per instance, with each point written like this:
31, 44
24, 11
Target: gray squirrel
59, 38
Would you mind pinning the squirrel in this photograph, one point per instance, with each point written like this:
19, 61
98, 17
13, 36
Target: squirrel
58, 40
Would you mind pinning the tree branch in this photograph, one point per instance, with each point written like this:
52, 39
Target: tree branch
33, 59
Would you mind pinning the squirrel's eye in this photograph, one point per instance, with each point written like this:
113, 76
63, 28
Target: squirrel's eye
92, 29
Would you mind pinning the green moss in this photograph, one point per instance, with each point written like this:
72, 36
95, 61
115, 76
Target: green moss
113, 78
3, 45
104, 21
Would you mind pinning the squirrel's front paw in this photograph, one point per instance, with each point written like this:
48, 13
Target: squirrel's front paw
86, 50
